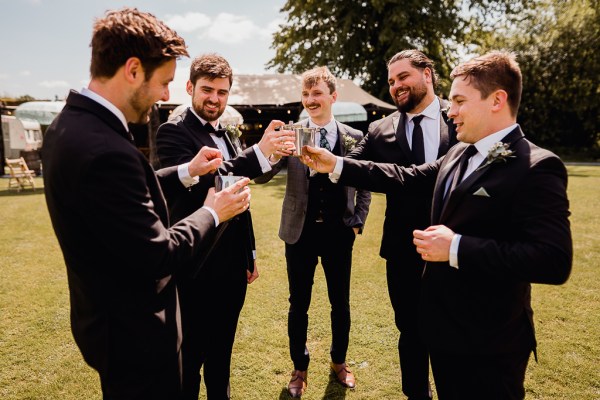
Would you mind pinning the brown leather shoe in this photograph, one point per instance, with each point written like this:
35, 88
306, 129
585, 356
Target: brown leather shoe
344, 375
297, 385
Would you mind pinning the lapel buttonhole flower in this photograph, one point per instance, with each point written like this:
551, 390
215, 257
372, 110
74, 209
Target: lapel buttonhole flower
497, 153
349, 142
233, 131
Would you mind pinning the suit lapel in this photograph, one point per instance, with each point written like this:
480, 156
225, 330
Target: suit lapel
465, 187
444, 133
340, 135
440, 186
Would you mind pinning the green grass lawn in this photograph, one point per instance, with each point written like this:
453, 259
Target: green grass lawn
39, 359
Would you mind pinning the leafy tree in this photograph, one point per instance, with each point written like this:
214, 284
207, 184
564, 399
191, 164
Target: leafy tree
558, 51
355, 38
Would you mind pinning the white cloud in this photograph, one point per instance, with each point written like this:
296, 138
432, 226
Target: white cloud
189, 22
54, 84
4, 76
231, 29
25, 73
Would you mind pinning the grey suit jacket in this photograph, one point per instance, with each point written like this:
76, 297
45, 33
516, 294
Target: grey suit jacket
295, 201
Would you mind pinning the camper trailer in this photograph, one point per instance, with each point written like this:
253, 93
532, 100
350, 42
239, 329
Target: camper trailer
22, 138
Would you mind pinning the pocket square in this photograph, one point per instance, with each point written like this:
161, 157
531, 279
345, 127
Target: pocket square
481, 192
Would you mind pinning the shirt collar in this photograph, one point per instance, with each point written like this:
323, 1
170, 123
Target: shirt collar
103, 102
330, 126
484, 145
431, 111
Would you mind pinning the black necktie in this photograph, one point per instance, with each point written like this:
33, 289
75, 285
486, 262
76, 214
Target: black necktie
324, 143
418, 147
462, 167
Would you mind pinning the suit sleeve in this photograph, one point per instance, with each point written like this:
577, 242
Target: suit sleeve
275, 168
121, 212
540, 247
388, 178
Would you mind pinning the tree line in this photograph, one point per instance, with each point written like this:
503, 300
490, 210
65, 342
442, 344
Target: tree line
557, 44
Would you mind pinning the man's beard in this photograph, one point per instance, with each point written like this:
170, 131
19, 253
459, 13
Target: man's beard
208, 116
415, 96
141, 106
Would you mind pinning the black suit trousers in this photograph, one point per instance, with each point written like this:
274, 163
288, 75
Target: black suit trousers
210, 310
404, 287
493, 377
333, 243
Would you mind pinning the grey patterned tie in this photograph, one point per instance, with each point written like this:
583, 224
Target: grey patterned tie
324, 143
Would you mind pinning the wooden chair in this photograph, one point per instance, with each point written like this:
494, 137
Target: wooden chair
20, 174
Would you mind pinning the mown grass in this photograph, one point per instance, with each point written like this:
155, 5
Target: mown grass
39, 360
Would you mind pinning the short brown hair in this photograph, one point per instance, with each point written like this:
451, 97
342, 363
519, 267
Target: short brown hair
417, 60
312, 77
125, 33
492, 71
210, 66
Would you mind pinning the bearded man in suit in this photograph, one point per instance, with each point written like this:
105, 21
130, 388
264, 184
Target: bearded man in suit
108, 211
397, 139
212, 303
319, 219
500, 221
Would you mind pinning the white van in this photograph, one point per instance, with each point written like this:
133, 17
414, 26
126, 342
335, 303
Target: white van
22, 138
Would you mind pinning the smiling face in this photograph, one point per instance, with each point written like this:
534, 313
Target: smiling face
473, 115
411, 88
150, 91
317, 100
209, 97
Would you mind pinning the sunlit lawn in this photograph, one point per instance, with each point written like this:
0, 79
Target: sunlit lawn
39, 360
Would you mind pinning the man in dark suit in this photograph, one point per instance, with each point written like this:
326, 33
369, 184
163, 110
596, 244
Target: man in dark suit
108, 211
212, 303
320, 219
499, 223
396, 139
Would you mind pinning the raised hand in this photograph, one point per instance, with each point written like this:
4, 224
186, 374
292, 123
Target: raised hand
318, 159
207, 160
279, 143
231, 201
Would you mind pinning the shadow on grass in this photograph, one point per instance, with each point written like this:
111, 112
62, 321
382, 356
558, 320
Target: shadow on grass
24, 192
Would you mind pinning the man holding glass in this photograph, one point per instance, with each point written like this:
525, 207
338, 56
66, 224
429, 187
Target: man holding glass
319, 219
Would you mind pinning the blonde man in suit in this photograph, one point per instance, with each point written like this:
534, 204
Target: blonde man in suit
319, 219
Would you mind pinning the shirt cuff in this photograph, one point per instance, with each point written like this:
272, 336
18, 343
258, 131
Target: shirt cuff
265, 165
213, 213
453, 257
254, 254
184, 175
337, 170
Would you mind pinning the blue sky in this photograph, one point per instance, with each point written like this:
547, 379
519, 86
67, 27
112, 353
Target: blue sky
45, 43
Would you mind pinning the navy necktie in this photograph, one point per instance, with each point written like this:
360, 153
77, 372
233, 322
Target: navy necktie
418, 146
324, 143
462, 167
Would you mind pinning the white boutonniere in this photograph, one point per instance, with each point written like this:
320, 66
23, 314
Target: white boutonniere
349, 142
233, 131
498, 152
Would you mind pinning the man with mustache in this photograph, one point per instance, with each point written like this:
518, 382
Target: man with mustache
319, 219
109, 215
211, 304
418, 132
